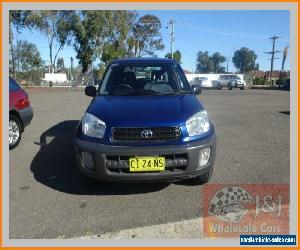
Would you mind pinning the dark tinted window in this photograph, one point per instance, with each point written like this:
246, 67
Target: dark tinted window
143, 78
13, 86
183, 82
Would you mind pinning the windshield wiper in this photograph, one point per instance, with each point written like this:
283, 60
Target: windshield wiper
144, 92
152, 92
180, 92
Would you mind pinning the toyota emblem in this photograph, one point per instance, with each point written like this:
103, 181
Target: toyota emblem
146, 133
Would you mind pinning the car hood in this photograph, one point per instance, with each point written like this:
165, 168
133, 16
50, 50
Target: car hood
142, 111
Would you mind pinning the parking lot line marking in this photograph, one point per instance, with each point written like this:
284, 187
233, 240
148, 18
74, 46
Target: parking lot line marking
185, 229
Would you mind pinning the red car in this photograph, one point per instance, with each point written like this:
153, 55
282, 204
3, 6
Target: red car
20, 112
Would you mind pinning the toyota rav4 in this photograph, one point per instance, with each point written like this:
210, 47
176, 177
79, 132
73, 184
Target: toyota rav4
145, 123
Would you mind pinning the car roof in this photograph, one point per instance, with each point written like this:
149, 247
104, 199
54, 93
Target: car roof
143, 60
229, 75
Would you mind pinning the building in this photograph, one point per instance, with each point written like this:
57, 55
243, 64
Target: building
55, 77
276, 75
187, 71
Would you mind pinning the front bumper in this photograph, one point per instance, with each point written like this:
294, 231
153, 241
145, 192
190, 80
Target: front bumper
110, 162
239, 85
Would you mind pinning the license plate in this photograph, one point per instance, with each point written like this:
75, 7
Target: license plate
143, 164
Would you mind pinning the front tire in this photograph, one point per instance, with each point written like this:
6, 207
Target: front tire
14, 131
201, 179
229, 86
204, 178
241, 88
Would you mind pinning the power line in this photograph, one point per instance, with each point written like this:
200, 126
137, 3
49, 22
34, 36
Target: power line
272, 53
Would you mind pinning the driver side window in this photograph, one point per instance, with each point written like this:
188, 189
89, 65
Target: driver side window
103, 87
183, 82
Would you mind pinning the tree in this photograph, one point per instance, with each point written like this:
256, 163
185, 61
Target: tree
29, 58
60, 64
119, 43
103, 35
146, 36
17, 19
56, 25
176, 56
244, 59
217, 60
204, 64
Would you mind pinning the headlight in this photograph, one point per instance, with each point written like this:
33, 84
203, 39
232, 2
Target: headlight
92, 126
198, 123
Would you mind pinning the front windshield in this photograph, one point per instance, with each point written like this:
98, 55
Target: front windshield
144, 79
235, 77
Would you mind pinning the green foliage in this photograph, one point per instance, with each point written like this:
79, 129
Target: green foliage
34, 78
60, 64
281, 81
102, 35
244, 59
82, 45
217, 60
176, 56
259, 81
146, 35
28, 58
207, 64
204, 63
109, 34
17, 20
97, 35
56, 25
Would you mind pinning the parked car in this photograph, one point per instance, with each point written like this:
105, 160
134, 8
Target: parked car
203, 81
20, 112
230, 81
196, 81
146, 128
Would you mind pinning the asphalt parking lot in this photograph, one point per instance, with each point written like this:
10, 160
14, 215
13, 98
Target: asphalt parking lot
49, 200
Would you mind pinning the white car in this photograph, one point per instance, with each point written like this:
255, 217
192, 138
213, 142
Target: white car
203, 81
230, 81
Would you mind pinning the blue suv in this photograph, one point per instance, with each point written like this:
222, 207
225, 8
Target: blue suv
145, 123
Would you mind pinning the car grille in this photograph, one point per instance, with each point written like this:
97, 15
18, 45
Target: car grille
174, 163
158, 134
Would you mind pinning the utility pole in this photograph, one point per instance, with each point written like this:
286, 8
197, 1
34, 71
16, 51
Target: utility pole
285, 51
272, 53
227, 64
71, 69
171, 26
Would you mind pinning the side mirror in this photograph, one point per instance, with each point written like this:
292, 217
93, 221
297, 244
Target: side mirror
90, 91
196, 89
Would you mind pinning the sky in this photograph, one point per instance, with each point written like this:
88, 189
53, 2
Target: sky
212, 31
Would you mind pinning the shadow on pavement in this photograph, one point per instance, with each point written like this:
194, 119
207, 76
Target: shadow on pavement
284, 112
55, 166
